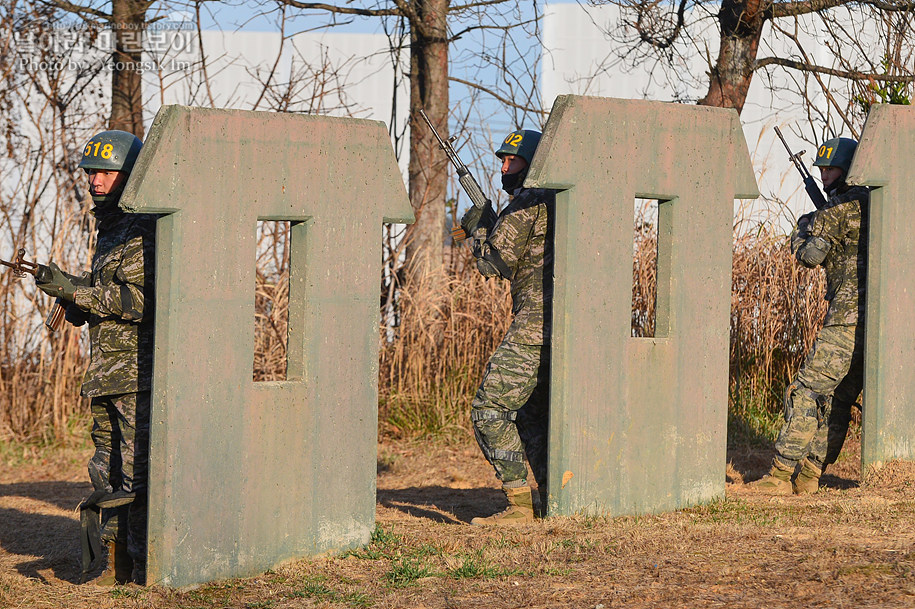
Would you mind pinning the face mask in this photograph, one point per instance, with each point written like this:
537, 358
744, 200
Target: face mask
512, 181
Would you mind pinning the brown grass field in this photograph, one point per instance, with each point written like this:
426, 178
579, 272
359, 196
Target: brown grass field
850, 545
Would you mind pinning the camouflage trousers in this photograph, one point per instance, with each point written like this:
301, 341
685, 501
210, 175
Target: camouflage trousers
510, 412
818, 403
120, 432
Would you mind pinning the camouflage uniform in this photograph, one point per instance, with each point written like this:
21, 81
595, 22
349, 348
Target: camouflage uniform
818, 403
510, 410
117, 296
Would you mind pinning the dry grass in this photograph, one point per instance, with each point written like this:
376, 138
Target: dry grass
271, 301
430, 367
40, 376
449, 325
851, 545
777, 307
429, 371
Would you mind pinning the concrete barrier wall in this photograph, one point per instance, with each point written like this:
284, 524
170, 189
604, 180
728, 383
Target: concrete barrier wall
244, 474
885, 159
640, 424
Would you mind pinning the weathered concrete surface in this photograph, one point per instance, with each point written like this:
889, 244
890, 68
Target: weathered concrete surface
243, 474
640, 424
885, 158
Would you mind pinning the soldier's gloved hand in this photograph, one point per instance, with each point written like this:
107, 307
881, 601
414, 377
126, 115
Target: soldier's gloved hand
803, 223
42, 274
470, 218
54, 282
477, 217
76, 316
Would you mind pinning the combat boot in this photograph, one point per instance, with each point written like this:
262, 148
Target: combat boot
520, 509
138, 576
541, 503
777, 481
808, 479
120, 566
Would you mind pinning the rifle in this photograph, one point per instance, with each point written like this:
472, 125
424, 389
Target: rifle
467, 181
20, 267
813, 191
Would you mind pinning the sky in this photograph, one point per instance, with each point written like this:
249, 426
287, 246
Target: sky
255, 16
249, 16
487, 119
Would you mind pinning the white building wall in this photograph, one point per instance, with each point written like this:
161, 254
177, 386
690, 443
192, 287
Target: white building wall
324, 73
336, 74
580, 59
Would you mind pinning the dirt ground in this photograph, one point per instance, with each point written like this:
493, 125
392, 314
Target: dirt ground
850, 545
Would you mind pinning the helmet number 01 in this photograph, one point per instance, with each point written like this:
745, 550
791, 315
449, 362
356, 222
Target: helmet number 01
106, 150
514, 139
825, 152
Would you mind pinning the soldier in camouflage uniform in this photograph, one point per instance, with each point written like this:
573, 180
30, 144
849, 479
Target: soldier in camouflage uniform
510, 410
818, 403
116, 299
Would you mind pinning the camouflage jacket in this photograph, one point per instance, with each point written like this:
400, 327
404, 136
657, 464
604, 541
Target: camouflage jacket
119, 298
836, 238
519, 247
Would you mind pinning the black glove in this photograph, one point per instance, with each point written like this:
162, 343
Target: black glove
54, 282
76, 316
475, 217
803, 223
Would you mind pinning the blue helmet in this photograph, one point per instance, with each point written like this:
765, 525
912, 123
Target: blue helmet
111, 151
521, 143
837, 152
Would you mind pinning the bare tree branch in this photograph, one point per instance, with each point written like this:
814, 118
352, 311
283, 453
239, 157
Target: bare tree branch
343, 10
646, 30
474, 28
276, 62
76, 9
473, 5
508, 102
794, 9
203, 57
848, 74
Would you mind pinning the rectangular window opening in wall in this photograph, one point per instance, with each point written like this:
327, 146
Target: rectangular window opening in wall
651, 246
271, 301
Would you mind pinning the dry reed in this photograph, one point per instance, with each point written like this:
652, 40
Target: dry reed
777, 307
271, 301
430, 367
430, 370
40, 376
431, 363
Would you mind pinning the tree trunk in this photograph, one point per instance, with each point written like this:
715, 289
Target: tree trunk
741, 23
128, 21
428, 165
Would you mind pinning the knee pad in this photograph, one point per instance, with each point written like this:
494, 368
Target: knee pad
818, 400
